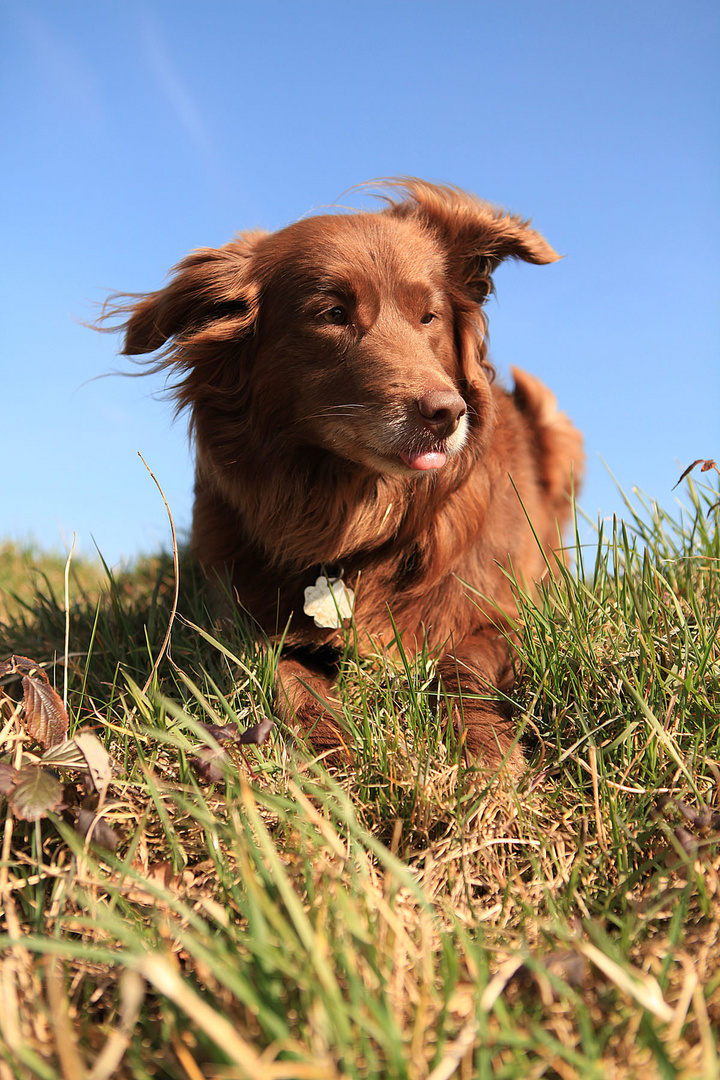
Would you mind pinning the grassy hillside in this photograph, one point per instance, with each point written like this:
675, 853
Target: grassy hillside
26, 570
196, 907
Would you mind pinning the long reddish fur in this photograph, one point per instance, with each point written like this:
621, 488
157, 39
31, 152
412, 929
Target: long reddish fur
285, 484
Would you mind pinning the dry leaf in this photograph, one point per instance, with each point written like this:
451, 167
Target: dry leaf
221, 733
45, 717
161, 876
18, 665
639, 985
687, 841
257, 734
36, 792
97, 758
8, 776
83, 751
705, 465
207, 764
101, 834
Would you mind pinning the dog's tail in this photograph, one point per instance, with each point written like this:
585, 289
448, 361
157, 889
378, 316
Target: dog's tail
560, 455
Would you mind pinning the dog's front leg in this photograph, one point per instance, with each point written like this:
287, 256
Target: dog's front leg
474, 679
305, 697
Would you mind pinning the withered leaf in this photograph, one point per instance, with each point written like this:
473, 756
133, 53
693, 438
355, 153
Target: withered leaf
45, 717
65, 755
16, 665
257, 733
208, 764
695, 817
221, 733
97, 758
102, 833
83, 751
705, 464
157, 876
704, 818
36, 792
567, 965
8, 776
687, 841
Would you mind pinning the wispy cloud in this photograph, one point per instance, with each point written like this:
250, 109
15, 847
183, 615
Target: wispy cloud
61, 67
176, 91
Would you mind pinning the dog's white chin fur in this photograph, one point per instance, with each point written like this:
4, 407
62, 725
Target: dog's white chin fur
395, 461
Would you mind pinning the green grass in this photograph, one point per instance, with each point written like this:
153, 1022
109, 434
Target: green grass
26, 570
404, 917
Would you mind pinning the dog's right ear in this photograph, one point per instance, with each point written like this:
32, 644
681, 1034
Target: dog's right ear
212, 295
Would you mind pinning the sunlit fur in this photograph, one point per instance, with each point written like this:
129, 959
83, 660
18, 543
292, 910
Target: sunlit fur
308, 359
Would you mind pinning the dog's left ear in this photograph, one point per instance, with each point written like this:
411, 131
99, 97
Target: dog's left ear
476, 235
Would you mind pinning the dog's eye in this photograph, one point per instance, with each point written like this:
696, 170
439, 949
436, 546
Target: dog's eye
429, 317
336, 315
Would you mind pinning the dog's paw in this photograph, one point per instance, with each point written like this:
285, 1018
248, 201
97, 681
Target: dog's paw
305, 703
488, 738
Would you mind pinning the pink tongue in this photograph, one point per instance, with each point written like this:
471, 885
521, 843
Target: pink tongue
434, 459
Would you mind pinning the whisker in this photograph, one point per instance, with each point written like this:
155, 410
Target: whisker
343, 410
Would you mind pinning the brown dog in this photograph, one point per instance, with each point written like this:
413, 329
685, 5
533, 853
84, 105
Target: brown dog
348, 426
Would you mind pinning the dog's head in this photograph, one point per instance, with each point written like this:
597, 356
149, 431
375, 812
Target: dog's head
359, 337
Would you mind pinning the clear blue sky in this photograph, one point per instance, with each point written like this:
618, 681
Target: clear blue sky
134, 132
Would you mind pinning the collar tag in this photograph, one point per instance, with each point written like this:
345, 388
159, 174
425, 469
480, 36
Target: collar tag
328, 602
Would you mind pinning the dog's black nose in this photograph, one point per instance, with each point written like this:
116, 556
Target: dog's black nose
441, 410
